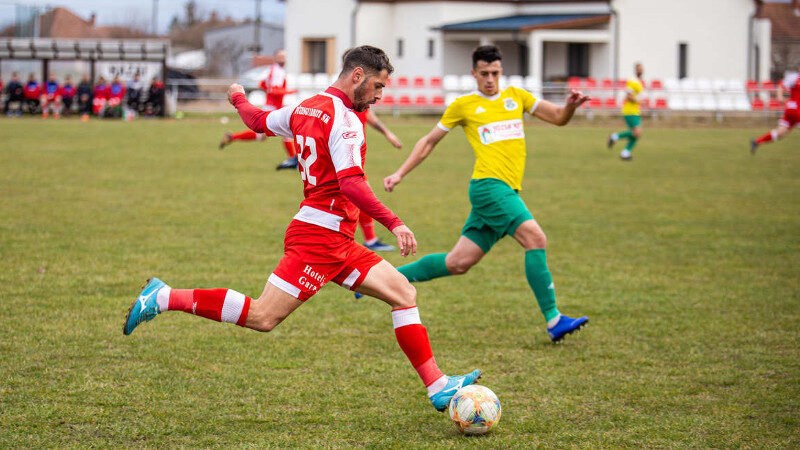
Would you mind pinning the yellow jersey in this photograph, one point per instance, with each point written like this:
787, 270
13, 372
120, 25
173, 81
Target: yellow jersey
494, 129
634, 88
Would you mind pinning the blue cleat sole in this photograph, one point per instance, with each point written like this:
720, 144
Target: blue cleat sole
558, 339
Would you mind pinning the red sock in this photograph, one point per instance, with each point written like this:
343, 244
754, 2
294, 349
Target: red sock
367, 226
222, 305
290, 149
248, 135
413, 340
765, 138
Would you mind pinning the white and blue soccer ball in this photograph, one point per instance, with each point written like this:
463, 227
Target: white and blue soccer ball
475, 409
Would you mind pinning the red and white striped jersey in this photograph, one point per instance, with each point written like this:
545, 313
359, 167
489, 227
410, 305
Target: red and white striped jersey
330, 139
792, 84
274, 86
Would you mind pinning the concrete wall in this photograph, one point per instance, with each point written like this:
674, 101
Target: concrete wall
316, 19
716, 32
227, 48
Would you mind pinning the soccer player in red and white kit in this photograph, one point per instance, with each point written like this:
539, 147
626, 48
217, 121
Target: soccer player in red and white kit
791, 115
275, 88
319, 245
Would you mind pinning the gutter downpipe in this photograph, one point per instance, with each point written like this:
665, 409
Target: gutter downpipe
616, 39
353, 24
751, 38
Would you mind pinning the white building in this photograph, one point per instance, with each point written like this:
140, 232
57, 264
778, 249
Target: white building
545, 39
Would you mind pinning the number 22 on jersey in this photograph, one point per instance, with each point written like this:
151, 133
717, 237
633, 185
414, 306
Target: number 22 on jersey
307, 142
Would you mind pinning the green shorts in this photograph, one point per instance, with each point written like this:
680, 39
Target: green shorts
633, 121
497, 210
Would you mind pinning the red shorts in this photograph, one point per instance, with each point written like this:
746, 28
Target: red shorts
791, 118
313, 255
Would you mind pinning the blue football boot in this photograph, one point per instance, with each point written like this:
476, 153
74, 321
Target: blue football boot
565, 326
379, 246
441, 399
145, 307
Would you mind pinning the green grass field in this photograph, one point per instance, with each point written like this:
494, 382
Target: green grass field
686, 261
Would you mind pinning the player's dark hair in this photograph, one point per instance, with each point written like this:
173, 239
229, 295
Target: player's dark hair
486, 53
371, 59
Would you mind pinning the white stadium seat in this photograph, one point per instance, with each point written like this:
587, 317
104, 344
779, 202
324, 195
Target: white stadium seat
320, 81
719, 84
467, 83
688, 84
450, 82
741, 103
305, 81
503, 81
693, 103
726, 103
450, 98
291, 81
677, 102
534, 85
703, 84
709, 103
735, 85
516, 81
671, 85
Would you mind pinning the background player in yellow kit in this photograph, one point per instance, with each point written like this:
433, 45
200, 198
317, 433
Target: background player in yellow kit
631, 114
492, 121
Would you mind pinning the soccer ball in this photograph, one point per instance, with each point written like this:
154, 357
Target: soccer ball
475, 409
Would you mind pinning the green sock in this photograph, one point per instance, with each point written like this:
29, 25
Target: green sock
541, 282
624, 135
426, 268
631, 143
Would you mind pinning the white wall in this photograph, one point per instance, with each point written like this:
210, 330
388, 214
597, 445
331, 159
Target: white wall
555, 60
716, 32
315, 19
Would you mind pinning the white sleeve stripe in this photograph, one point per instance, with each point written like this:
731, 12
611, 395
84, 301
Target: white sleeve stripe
442, 127
535, 105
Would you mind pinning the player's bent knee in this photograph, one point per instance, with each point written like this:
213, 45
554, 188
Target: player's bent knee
407, 296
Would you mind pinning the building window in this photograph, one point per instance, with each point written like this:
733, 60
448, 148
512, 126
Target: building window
577, 59
400, 48
317, 55
683, 55
430, 48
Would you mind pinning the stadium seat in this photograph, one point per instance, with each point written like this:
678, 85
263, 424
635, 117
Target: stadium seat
516, 81
421, 100
758, 104
708, 102
677, 102
589, 83
620, 84
735, 85
751, 85
768, 86
574, 83
775, 105
719, 84
607, 84
533, 84
305, 81
419, 82
644, 103
594, 103
387, 100
291, 81
610, 103
694, 103
404, 100
437, 100
671, 85
402, 82
503, 82
451, 82
467, 83
389, 82
450, 98
688, 84
740, 103
436, 82
320, 81
656, 84
661, 103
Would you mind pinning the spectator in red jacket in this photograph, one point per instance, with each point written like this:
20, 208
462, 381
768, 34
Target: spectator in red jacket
32, 91
100, 97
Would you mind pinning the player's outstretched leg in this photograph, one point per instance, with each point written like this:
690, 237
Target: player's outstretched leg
371, 240
532, 238
291, 152
221, 305
771, 136
385, 283
226, 140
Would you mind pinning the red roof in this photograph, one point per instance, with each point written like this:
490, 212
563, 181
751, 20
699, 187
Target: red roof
785, 19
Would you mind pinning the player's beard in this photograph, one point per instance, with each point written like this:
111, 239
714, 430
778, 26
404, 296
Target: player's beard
360, 101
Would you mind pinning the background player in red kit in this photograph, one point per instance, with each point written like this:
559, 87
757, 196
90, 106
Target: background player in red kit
319, 245
100, 97
274, 85
51, 97
791, 115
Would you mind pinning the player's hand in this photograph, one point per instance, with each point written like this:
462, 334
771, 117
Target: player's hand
232, 89
391, 181
406, 241
394, 140
576, 98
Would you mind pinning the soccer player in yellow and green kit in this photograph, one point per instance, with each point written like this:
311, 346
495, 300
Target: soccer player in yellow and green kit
492, 122
631, 114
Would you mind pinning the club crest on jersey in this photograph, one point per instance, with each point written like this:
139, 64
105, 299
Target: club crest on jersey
350, 135
510, 104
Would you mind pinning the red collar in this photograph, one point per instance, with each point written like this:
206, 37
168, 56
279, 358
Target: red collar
338, 93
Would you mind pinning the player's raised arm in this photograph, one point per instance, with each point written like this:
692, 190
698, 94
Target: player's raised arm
560, 115
421, 150
376, 123
271, 123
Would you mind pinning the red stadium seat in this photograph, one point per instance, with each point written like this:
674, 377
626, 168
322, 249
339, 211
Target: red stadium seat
388, 82
752, 85
402, 82
419, 82
610, 103
404, 100
574, 82
621, 83
436, 82
661, 103
608, 83
437, 100
656, 84
387, 100
590, 83
775, 105
644, 103
768, 85
594, 103
758, 104
421, 100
